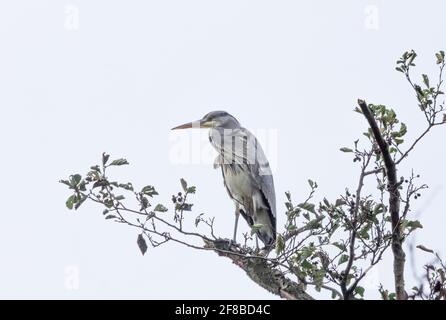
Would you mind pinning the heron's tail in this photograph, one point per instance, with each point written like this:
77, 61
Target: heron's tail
268, 237
267, 233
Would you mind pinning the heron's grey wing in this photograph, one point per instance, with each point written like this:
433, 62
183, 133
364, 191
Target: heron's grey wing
261, 172
241, 147
267, 187
218, 161
265, 178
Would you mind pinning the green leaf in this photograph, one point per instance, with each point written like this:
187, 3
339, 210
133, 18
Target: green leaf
186, 207
364, 232
344, 258
75, 179
71, 201
411, 58
126, 186
80, 201
346, 149
340, 246
306, 265
340, 202
255, 228
360, 290
142, 244
426, 80
403, 129
311, 183
379, 208
307, 252
191, 190
110, 217
108, 203
307, 206
421, 247
160, 208
82, 186
149, 191
183, 184
65, 182
144, 203
440, 57
280, 245
415, 224
314, 224
105, 158
100, 183
119, 162
326, 202
198, 219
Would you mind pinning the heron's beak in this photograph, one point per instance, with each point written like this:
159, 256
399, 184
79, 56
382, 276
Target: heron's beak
184, 126
195, 124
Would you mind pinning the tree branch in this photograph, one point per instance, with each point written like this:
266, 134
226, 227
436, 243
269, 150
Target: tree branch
416, 141
348, 292
261, 272
394, 202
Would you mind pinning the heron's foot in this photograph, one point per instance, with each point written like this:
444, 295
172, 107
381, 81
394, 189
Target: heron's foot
227, 243
224, 244
257, 251
264, 252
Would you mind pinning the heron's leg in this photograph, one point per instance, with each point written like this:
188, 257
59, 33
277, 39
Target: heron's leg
237, 215
254, 207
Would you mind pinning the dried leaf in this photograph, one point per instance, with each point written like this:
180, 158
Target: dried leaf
142, 244
421, 247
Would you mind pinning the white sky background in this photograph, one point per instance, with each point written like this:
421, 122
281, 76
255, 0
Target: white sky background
131, 70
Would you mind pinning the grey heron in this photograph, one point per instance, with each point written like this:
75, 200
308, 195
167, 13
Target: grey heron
246, 172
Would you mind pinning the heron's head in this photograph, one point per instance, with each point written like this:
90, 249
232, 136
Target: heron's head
214, 119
